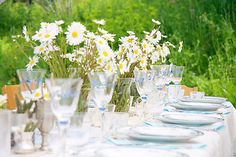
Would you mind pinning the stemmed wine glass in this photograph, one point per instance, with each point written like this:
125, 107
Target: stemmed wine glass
102, 87
31, 85
177, 74
64, 93
144, 81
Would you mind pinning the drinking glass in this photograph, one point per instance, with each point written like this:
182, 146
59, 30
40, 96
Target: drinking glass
144, 80
102, 87
174, 93
31, 83
5, 131
161, 75
64, 93
177, 74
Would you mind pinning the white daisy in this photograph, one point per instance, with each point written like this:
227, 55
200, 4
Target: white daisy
37, 36
39, 49
110, 67
100, 22
60, 22
106, 53
155, 56
103, 31
101, 43
156, 22
180, 46
24, 31
109, 37
143, 62
165, 51
75, 34
123, 66
130, 33
33, 61
146, 46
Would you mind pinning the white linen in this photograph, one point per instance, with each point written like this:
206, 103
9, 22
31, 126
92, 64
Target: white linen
220, 143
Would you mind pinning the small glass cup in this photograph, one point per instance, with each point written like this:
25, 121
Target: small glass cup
114, 121
197, 95
5, 131
174, 92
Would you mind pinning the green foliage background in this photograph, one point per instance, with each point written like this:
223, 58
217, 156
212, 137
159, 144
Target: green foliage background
207, 28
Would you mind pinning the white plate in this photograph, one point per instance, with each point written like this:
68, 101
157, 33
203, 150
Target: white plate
189, 119
206, 99
163, 133
197, 106
137, 152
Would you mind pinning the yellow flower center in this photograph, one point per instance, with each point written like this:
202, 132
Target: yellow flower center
108, 67
130, 40
41, 49
120, 66
100, 42
136, 52
46, 95
99, 60
37, 94
145, 45
47, 35
105, 53
32, 62
74, 34
40, 34
142, 61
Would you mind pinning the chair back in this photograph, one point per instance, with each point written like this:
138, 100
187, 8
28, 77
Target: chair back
188, 90
11, 91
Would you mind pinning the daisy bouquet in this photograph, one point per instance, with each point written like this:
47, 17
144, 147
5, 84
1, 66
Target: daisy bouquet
74, 46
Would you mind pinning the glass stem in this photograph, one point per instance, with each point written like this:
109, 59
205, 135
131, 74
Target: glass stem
63, 125
102, 126
144, 101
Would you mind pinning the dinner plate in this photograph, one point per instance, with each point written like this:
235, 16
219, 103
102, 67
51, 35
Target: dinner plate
197, 106
188, 119
206, 99
137, 152
163, 133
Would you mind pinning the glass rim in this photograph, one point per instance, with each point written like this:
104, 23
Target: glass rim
68, 78
33, 70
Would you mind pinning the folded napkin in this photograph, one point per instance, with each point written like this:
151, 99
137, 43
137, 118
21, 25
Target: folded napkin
167, 146
214, 127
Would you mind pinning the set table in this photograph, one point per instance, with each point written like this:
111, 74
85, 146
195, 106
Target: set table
217, 143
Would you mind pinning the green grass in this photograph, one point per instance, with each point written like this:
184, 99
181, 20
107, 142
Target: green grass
207, 28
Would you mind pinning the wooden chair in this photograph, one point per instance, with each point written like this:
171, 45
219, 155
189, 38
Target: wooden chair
188, 90
10, 91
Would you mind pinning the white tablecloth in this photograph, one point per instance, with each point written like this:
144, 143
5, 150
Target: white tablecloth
220, 143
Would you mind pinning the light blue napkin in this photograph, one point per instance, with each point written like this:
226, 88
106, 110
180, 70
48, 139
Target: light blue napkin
214, 127
167, 146
172, 109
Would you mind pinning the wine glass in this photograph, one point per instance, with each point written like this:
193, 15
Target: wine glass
144, 81
102, 87
161, 75
64, 93
177, 74
31, 83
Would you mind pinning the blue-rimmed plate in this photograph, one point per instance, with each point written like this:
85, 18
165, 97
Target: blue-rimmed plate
206, 99
163, 133
197, 106
188, 119
137, 152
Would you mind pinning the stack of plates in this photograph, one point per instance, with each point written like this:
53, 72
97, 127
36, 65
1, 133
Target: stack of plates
206, 99
201, 106
163, 133
137, 152
189, 119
